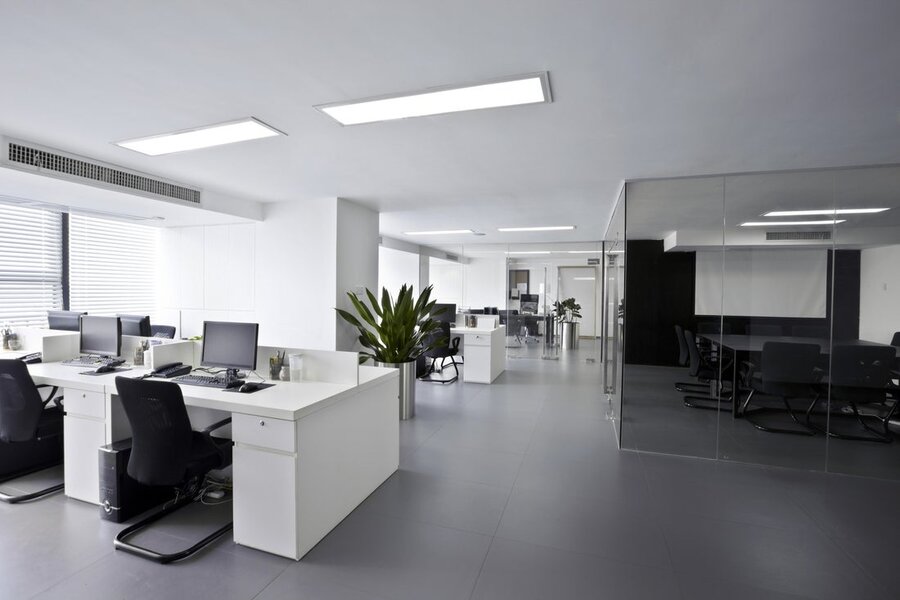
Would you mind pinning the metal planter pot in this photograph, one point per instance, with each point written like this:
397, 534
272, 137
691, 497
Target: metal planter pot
569, 335
407, 395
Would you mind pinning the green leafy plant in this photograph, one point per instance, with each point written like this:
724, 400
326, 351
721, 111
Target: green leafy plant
562, 308
394, 331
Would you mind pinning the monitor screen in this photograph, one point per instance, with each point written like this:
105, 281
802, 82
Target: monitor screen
101, 335
136, 325
64, 320
445, 313
229, 345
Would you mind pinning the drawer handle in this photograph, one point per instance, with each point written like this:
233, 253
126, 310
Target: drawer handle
262, 423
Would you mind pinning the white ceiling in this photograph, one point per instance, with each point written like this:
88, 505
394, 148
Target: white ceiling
644, 88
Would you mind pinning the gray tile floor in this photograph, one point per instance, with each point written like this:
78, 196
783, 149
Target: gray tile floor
514, 491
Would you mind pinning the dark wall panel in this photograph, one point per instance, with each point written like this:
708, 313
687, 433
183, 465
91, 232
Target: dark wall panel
659, 294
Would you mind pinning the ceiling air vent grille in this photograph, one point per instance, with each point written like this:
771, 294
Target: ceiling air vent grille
780, 236
452, 257
60, 164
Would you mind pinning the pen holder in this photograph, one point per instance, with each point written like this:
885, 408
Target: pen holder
275, 368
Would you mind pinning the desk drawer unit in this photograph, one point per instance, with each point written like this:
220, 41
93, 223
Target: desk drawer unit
478, 339
84, 404
263, 432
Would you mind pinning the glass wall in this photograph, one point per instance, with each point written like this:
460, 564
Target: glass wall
761, 319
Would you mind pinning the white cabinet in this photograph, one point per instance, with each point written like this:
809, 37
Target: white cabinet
265, 501
485, 354
82, 437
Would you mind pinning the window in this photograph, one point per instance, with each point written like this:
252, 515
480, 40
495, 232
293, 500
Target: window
30, 264
112, 266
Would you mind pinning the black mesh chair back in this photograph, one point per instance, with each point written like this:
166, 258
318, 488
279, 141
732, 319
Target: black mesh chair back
895, 341
861, 371
762, 330
21, 405
810, 331
695, 362
163, 331
787, 368
441, 339
683, 355
161, 430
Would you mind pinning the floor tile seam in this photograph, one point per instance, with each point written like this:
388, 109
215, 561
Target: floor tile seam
380, 513
481, 567
814, 528
271, 581
593, 555
327, 576
873, 579
74, 573
463, 479
457, 480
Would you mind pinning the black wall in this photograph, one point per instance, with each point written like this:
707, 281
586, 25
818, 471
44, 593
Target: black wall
659, 293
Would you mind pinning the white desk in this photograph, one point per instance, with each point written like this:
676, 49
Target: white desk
484, 351
305, 453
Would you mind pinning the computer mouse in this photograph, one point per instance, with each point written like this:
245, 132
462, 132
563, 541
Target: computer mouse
105, 369
250, 386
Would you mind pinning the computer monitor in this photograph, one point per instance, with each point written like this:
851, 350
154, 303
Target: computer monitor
444, 313
136, 325
230, 345
64, 320
528, 303
101, 335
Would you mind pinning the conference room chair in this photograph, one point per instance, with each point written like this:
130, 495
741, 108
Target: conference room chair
763, 330
445, 348
710, 327
31, 432
491, 310
787, 371
518, 327
895, 341
810, 331
166, 451
860, 378
705, 368
504, 314
684, 361
163, 331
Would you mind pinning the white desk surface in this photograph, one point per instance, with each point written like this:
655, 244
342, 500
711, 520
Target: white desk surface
476, 330
284, 400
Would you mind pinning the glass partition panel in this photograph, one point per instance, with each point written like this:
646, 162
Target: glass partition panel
671, 381
862, 421
777, 291
612, 317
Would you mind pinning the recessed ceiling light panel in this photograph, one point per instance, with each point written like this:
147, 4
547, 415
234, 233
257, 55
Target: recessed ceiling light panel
530, 252
440, 232
791, 223
540, 228
512, 91
201, 137
825, 211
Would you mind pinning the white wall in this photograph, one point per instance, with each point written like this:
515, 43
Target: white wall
356, 265
395, 268
484, 283
283, 273
447, 279
879, 294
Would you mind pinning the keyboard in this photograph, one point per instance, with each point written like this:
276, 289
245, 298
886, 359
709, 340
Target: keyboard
92, 361
207, 381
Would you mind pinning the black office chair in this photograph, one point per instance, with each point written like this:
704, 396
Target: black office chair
895, 341
762, 330
705, 368
684, 358
787, 371
163, 331
860, 378
504, 315
446, 348
31, 433
491, 310
165, 451
810, 331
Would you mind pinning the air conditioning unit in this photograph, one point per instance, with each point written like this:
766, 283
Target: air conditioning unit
49, 162
780, 236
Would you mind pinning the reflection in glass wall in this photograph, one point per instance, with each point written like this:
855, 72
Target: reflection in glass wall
762, 319
612, 327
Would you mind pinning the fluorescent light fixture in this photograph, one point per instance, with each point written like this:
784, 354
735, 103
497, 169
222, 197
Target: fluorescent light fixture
201, 137
825, 211
583, 251
615, 252
530, 252
791, 223
440, 232
584, 279
547, 228
533, 88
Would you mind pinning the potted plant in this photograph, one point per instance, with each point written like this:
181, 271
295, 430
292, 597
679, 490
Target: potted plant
567, 315
395, 333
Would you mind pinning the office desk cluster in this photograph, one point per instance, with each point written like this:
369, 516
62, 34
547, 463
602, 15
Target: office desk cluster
305, 453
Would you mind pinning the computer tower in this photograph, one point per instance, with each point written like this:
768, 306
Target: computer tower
122, 497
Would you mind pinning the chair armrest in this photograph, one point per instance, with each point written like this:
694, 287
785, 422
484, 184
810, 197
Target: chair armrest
52, 394
215, 426
454, 343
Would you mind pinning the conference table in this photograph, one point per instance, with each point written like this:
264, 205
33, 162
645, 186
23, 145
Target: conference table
741, 346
